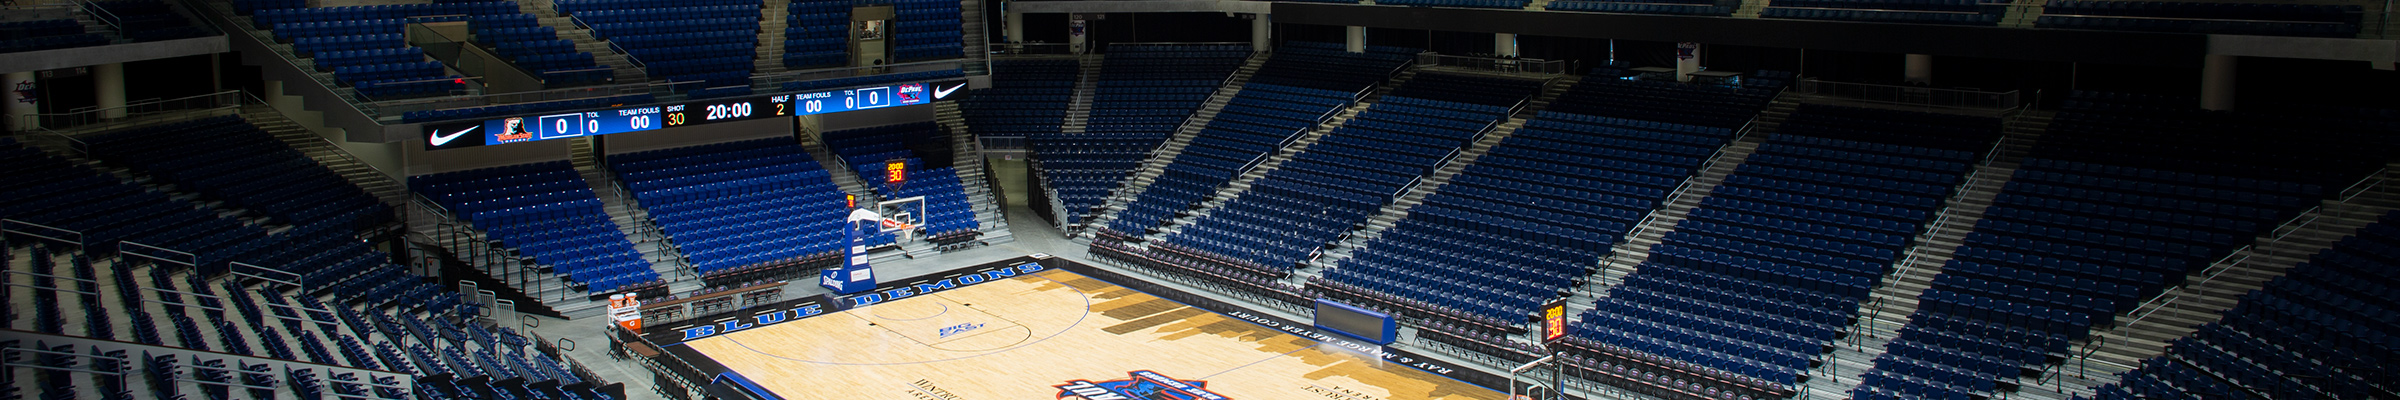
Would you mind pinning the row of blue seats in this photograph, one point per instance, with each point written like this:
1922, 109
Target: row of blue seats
308, 46
658, 14
615, 29
2228, 27
2204, 10
264, 18
1666, 8
574, 6
1916, 17
1503, 4
295, 30
331, 60
410, 70
498, 35
515, 49
1918, 5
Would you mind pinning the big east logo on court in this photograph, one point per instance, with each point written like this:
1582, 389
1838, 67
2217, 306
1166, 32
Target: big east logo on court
1138, 385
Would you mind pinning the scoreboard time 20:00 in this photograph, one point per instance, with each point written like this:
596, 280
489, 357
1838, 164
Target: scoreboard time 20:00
636, 119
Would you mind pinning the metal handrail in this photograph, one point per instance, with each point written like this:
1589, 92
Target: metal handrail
112, 19
217, 101
1683, 188
17, 227
223, 10
2232, 260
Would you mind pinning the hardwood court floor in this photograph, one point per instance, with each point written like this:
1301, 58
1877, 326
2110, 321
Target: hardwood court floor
1022, 338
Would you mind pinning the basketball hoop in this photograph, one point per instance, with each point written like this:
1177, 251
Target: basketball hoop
894, 224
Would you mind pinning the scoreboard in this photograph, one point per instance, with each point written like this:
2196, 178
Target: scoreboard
531, 128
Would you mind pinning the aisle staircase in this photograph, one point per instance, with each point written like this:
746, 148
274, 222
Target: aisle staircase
1653, 228
645, 234
620, 65
1391, 214
1241, 183
1087, 84
967, 160
770, 38
2211, 291
849, 182
1133, 185
971, 30
1889, 306
382, 184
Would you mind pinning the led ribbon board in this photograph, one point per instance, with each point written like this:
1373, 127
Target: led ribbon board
531, 128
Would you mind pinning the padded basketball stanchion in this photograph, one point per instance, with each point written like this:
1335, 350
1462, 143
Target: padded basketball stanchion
854, 275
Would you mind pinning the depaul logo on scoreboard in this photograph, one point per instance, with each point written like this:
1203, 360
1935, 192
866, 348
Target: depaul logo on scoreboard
913, 93
1141, 385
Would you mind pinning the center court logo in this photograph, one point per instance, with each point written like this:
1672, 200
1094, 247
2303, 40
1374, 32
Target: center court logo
1138, 385
960, 328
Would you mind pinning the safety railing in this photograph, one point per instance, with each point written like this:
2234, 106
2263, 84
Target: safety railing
100, 349
1916, 252
1495, 64
1684, 188
54, 286
51, 233
474, 248
1912, 96
160, 254
2174, 297
1032, 49
146, 112
247, 270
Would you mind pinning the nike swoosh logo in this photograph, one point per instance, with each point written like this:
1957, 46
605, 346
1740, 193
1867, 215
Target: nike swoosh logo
439, 140
939, 93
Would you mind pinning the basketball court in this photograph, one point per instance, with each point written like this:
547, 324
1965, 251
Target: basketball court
1023, 331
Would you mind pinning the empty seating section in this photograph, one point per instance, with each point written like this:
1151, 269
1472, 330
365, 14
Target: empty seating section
1667, 7
1550, 198
17, 36
1491, 287
535, 48
363, 47
335, 282
2283, 19
545, 211
2323, 330
1296, 89
145, 20
948, 216
816, 34
1027, 97
1322, 192
1945, 12
232, 161
926, 30
1144, 95
1750, 289
741, 205
2121, 199
709, 41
